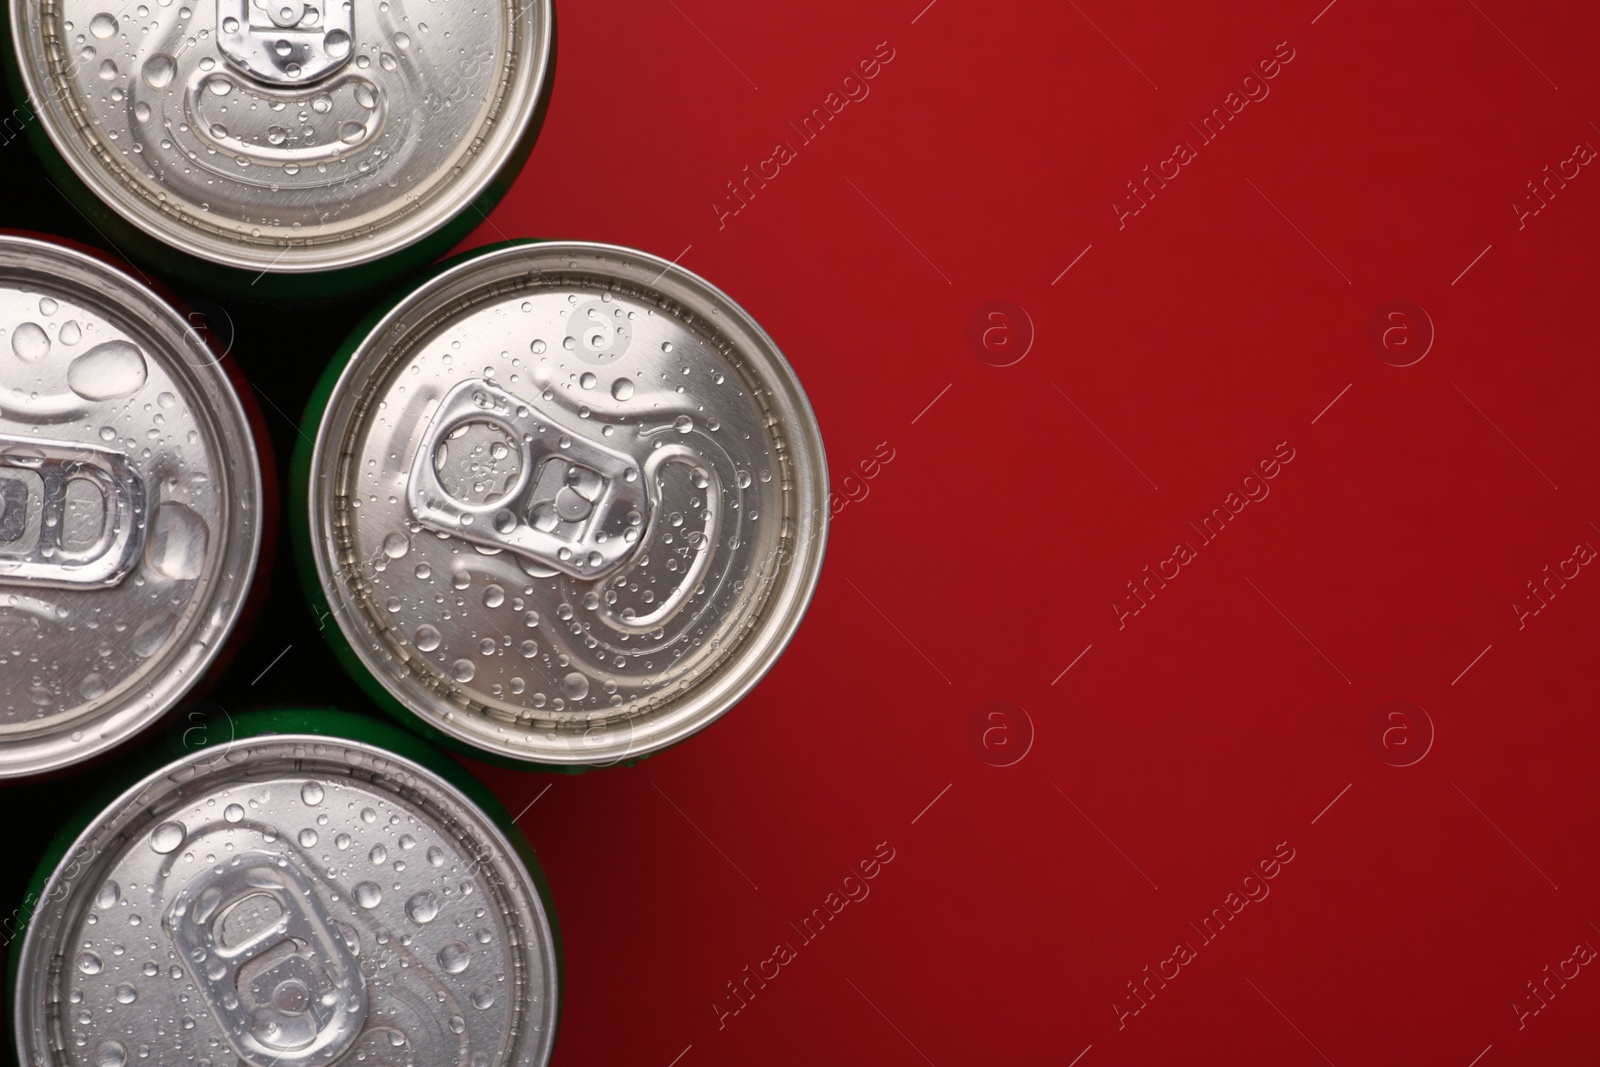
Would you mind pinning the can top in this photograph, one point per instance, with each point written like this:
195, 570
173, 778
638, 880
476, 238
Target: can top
290, 900
285, 135
567, 502
130, 506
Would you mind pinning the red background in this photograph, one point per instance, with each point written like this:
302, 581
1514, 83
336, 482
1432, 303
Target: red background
1163, 754
984, 558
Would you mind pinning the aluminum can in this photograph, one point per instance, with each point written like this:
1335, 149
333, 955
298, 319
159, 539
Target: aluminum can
563, 504
132, 507
283, 149
321, 889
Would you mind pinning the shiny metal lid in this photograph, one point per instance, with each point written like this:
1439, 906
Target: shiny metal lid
568, 502
130, 506
289, 901
290, 135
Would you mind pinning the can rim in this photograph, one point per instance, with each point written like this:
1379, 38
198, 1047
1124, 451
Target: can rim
501, 147
26, 958
27, 755
788, 600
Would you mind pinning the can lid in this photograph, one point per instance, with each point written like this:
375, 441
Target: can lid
289, 900
285, 135
567, 502
130, 507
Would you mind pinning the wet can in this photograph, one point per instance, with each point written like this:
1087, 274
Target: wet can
283, 149
562, 504
321, 889
133, 507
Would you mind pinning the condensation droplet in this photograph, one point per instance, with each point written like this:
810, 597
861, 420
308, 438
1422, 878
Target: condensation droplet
423, 908
108, 371
368, 895
158, 70
176, 543
30, 342
167, 837
454, 957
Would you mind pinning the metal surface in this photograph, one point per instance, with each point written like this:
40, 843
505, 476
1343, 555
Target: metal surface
131, 495
289, 901
567, 503
290, 135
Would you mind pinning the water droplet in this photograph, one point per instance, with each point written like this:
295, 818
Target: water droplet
337, 44
176, 544
167, 837
158, 70
423, 908
308, 837
483, 998
152, 634
368, 816
683, 424
30, 342
89, 963
368, 895
396, 545
424, 572
108, 371
352, 132
111, 1054
494, 596
47, 305
92, 687
70, 333
529, 649
108, 896
386, 61
462, 670
107, 71
454, 957
277, 135
742, 480
575, 686
311, 793
126, 994
379, 855
435, 856
536, 347
341, 841
230, 25
103, 25
588, 380
365, 96
233, 813
622, 388
427, 638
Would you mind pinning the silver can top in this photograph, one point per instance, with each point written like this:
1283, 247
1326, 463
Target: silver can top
290, 135
289, 901
568, 502
130, 507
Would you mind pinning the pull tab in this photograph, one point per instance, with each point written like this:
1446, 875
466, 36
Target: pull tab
70, 515
286, 42
492, 471
282, 984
